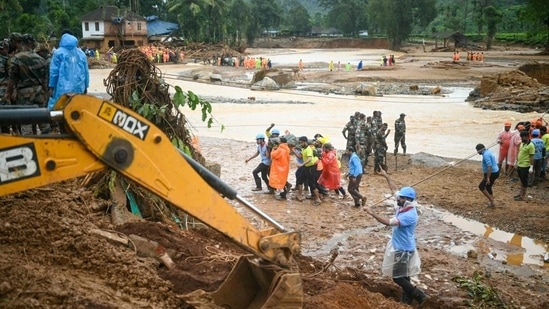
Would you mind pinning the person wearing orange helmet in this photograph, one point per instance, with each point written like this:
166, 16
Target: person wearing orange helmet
504, 141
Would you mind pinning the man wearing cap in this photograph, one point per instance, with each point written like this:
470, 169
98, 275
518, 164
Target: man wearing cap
539, 155
490, 172
401, 260
504, 141
264, 166
400, 134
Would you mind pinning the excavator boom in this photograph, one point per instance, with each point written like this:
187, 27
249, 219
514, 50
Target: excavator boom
105, 134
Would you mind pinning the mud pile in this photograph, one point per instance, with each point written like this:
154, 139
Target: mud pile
518, 90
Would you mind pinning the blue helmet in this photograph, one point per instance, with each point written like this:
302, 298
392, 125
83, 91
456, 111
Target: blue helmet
260, 135
535, 132
275, 131
407, 192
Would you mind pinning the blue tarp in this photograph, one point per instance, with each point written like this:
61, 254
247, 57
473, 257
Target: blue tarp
159, 27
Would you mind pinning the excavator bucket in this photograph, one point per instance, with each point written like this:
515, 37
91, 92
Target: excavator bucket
251, 285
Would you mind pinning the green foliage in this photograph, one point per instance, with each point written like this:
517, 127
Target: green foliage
397, 18
190, 99
482, 295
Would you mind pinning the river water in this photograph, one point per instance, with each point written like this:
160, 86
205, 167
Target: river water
445, 126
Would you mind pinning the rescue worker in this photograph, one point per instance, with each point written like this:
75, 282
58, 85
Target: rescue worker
400, 134
380, 148
504, 141
27, 76
350, 128
361, 139
401, 260
264, 166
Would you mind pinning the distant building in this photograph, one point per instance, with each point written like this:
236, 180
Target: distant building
109, 26
456, 37
326, 32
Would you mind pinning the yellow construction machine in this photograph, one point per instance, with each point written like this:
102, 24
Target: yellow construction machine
101, 134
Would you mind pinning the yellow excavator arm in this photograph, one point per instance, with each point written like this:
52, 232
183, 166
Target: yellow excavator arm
103, 134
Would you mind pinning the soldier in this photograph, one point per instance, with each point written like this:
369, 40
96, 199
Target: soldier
27, 76
370, 133
380, 148
361, 139
400, 134
350, 129
4, 49
376, 119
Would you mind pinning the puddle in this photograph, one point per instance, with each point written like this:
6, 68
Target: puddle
455, 234
518, 250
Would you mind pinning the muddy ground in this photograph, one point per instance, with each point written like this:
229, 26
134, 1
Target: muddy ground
52, 259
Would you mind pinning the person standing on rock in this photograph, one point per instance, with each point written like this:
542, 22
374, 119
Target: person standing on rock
400, 134
300, 65
331, 66
401, 260
264, 166
490, 170
504, 141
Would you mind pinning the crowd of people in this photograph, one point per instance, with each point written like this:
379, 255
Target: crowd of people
318, 166
522, 156
319, 171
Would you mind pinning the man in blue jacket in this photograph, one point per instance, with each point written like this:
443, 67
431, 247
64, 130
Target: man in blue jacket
69, 71
355, 175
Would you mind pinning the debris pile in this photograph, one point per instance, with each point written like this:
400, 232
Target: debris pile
514, 90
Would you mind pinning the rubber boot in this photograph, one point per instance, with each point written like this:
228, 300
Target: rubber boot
404, 150
419, 296
395, 151
406, 299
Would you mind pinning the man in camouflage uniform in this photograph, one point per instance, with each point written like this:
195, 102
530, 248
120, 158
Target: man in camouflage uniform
4, 50
27, 84
370, 137
400, 134
349, 131
361, 140
380, 148
376, 119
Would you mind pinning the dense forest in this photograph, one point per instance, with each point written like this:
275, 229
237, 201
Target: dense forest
239, 21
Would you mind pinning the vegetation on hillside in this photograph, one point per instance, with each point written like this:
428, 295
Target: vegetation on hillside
243, 21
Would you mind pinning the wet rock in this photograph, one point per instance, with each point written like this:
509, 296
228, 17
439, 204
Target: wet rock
426, 159
472, 254
436, 90
364, 89
216, 78
265, 84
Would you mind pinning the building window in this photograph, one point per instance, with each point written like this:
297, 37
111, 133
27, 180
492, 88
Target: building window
138, 26
86, 26
96, 26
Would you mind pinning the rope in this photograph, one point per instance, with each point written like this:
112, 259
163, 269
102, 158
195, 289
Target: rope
216, 255
436, 173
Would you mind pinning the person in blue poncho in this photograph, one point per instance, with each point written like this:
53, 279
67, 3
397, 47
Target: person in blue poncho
69, 71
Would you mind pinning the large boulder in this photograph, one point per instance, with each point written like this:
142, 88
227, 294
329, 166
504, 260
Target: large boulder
266, 83
365, 89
